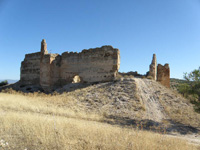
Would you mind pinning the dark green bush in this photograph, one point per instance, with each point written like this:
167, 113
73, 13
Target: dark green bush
3, 83
191, 89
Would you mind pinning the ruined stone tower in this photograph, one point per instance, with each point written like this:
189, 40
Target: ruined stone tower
159, 73
153, 68
44, 47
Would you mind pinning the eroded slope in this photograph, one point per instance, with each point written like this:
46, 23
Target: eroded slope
134, 99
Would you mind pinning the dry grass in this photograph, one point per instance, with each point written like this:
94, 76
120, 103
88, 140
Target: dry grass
118, 99
42, 123
179, 109
44, 105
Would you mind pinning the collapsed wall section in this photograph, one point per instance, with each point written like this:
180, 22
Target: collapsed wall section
30, 69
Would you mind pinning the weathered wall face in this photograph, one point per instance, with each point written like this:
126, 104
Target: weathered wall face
50, 71
45, 69
30, 69
53, 70
163, 75
93, 65
159, 73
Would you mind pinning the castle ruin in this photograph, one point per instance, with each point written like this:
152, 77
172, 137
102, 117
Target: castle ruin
159, 73
54, 70
51, 71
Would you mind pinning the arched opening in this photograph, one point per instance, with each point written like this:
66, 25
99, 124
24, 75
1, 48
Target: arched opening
76, 79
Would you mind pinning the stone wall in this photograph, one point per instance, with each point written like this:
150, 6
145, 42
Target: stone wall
159, 73
163, 75
50, 71
93, 65
30, 69
53, 70
45, 76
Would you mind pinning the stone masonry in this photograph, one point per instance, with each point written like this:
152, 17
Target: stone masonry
54, 70
160, 73
153, 68
163, 75
89, 66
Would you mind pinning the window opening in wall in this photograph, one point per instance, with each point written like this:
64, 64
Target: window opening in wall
76, 79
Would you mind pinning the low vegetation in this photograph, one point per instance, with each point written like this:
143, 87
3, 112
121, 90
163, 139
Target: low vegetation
39, 121
3, 83
191, 87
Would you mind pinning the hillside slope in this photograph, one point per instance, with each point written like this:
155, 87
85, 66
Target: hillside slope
41, 122
150, 98
135, 99
129, 102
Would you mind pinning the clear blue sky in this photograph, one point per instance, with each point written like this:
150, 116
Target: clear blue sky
139, 28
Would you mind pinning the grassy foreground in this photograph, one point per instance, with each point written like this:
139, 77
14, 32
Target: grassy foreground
38, 122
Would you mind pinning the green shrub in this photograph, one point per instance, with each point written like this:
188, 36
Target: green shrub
3, 83
184, 89
191, 90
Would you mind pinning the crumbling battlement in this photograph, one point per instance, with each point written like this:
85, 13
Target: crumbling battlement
53, 70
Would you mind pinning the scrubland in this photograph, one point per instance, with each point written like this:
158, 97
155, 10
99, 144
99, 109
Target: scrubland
44, 122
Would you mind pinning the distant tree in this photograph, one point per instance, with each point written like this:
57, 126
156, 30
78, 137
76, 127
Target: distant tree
191, 89
194, 78
3, 83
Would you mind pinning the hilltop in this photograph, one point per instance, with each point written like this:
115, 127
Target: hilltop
133, 103
134, 99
